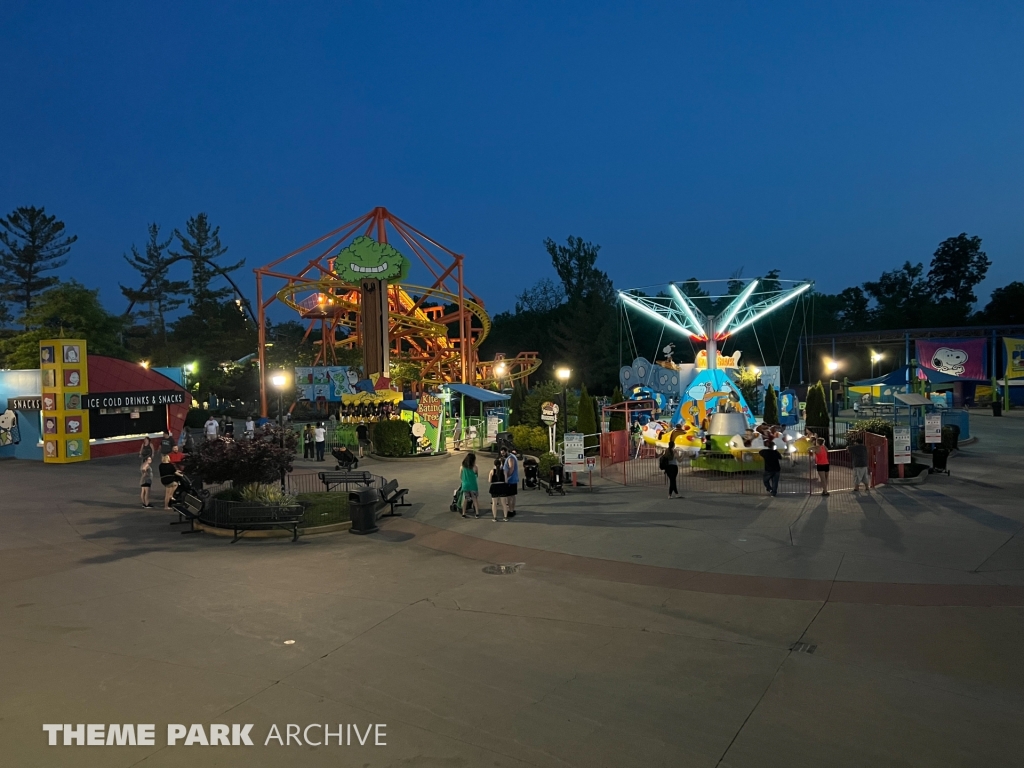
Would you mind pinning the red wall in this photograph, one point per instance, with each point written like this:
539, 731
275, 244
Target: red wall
108, 374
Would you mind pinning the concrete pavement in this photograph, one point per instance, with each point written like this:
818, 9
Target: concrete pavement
640, 631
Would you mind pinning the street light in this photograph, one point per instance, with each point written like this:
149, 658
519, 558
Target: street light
563, 375
832, 366
875, 357
280, 380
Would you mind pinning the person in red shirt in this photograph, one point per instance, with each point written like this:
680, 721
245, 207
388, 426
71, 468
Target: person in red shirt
821, 464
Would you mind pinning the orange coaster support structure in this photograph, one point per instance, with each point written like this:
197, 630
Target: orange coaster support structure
421, 320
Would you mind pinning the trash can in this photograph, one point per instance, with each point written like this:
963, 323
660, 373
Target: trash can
997, 407
940, 459
362, 510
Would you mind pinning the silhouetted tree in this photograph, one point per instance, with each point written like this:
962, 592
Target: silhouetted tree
33, 243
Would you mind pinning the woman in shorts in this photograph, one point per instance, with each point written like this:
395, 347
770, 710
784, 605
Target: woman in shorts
499, 491
470, 490
169, 477
821, 464
147, 480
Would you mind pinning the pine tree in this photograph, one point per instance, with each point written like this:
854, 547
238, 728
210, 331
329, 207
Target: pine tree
202, 247
515, 405
771, 406
159, 294
817, 410
585, 421
33, 243
617, 421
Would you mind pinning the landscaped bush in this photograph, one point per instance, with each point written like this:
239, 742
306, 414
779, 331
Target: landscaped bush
545, 463
196, 417
528, 438
392, 438
245, 462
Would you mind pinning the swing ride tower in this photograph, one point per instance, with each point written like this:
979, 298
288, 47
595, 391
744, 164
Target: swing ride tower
681, 313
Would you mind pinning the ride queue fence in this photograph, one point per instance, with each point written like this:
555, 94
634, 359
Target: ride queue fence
631, 464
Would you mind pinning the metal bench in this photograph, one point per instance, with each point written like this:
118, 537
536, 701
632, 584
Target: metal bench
394, 496
332, 480
255, 517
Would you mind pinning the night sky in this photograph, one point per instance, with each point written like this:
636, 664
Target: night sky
832, 141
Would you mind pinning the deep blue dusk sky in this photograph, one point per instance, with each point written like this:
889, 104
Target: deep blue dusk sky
832, 141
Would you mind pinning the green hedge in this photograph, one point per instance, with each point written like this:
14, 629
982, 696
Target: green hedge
529, 438
392, 438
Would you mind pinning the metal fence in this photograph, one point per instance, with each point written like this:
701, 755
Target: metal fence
310, 482
702, 473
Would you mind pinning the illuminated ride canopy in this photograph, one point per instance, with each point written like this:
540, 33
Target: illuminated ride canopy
711, 390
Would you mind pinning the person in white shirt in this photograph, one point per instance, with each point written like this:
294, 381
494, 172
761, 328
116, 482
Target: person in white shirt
250, 428
320, 440
211, 428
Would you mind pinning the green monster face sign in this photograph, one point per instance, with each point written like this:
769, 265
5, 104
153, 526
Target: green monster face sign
366, 258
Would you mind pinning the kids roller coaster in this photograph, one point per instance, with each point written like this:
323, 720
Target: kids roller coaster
352, 289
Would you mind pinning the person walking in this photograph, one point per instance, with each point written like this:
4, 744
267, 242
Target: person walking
211, 428
772, 467
250, 428
499, 491
307, 442
146, 451
147, 480
510, 466
821, 464
470, 489
363, 437
859, 460
320, 440
670, 466
169, 478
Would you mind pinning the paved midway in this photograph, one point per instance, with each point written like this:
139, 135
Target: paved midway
640, 631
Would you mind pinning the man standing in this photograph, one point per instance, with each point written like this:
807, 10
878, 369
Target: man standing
772, 467
320, 440
363, 437
250, 428
859, 459
510, 466
211, 428
166, 443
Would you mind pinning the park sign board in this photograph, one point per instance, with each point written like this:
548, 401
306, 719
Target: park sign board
573, 459
933, 428
901, 445
133, 399
549, 413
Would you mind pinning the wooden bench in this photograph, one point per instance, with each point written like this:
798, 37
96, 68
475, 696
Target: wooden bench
394, 496
332, 480
255, 517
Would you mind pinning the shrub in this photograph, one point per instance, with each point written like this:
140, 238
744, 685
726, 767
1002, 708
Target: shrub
528, 438
392, 438
196, 417
545, 463
247, 462
269, 494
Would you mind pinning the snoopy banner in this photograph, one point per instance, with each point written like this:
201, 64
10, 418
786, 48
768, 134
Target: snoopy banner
963, 358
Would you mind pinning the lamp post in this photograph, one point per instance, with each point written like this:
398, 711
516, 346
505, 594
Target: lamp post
832, 366
280, 380
563, 375
875, 357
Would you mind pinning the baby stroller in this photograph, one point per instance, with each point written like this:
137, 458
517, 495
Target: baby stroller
557, 476
345, 458
456, 505
189, 500
531, 473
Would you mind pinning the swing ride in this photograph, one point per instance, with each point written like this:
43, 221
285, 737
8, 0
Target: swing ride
697, 406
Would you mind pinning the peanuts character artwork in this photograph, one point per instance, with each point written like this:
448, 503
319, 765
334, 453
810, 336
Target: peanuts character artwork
72, 402
72, 425
9, 432
949, 360
46, 355
49, 402
50, 425
51, 449
74, 448
71, 353
72, 378
49, 377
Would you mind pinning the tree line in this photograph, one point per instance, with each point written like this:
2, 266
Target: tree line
575, 321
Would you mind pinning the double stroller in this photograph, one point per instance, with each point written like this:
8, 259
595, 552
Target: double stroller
345, 458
